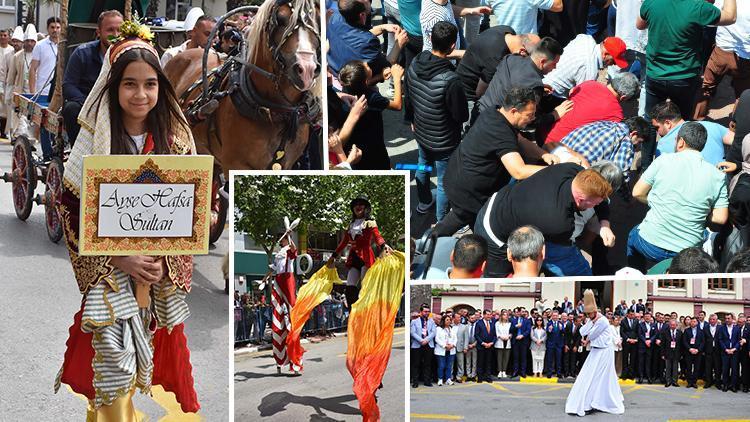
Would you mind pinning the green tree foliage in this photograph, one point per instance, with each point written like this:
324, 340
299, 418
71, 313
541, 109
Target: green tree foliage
321, 203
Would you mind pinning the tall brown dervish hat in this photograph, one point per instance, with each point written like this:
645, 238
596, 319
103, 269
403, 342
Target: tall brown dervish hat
589, 303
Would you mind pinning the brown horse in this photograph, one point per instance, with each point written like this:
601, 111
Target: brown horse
266, 105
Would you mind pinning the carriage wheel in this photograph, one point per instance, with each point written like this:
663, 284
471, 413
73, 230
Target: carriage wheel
52, 197
219, 207
24, 177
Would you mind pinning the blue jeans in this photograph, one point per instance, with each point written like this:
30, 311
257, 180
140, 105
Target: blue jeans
561, 261
439, 160
639, 250
445, 366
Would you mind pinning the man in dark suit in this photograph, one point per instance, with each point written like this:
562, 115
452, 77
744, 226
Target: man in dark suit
640, 307
744, 353
712, 353
572, 339
657, 363
553, 356
520, 338
484, 332
646, 335
670, 340
629, 334
729, 343
692, 344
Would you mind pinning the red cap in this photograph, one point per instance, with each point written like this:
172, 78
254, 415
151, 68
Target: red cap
616, 47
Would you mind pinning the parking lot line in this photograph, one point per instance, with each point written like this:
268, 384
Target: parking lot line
436, 417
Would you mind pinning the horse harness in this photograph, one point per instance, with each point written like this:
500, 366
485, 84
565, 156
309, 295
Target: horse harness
232, 79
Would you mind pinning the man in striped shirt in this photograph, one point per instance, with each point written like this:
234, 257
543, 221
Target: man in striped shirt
581, 61
604, 140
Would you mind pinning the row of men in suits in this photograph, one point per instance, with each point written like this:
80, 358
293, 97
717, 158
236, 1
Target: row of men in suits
479, 343
656, 349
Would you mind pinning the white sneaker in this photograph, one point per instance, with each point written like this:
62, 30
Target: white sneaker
499, 374
449, 382
440, 383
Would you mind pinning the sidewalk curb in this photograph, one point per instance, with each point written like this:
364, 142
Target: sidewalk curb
253, 349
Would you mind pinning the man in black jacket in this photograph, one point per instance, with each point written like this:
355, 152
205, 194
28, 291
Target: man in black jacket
436, 106
712, 352
629, 334
671, 339
646, 337
692, 344
572, 341
657, 363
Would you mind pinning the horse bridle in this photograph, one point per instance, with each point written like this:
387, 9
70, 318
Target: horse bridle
242, 89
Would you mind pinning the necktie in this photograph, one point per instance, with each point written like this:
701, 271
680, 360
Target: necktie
487, 324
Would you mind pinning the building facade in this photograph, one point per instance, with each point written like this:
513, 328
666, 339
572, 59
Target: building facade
686, 296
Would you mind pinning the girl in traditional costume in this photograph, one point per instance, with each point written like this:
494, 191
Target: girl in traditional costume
128, 333
360, 234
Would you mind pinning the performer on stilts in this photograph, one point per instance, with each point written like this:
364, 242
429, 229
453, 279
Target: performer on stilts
596, 386
360, 234
283, 298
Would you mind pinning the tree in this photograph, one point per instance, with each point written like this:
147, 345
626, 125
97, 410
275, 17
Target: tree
320, 202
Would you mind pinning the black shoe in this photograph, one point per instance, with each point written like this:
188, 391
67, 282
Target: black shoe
675, 384
650, 381
709, 385
428, 384
639, 381
724, 389
549, 375
667, 385
414, 385
734, 389
479, 380
746, 390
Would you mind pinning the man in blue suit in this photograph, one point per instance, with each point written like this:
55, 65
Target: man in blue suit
520, 338
692, 343
555, 332
729, 343
647, 333
422, 347
484, 332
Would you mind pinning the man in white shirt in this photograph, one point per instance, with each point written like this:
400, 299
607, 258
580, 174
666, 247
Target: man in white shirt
44, 59
581, 61
730, 56
198, 27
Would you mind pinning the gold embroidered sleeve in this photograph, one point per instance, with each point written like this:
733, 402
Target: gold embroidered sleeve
88, 270
180, 270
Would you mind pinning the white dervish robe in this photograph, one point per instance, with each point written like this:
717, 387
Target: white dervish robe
596, 386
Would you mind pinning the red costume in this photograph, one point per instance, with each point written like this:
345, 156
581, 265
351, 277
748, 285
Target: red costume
361, 243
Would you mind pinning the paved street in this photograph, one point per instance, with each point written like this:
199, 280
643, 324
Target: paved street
514, 401
322, 393
38, 299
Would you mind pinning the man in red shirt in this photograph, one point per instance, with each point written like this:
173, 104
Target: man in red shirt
593, 102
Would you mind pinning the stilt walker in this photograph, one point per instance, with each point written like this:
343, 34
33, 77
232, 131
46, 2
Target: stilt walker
283, 297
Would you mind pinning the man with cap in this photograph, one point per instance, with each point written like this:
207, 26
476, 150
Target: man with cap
198, 27
360, 234
18, 73
596, 386
581, 61
5, 50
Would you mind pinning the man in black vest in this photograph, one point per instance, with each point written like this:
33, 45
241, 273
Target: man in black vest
436, 106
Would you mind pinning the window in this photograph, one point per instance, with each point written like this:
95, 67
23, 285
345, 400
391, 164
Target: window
672, 284
721, 284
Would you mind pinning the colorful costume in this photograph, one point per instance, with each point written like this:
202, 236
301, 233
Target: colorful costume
359, 235
283, 298
116, 343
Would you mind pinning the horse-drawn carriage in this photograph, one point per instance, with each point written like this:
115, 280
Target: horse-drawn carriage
261, 98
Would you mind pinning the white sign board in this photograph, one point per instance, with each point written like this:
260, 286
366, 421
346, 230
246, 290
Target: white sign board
146, 210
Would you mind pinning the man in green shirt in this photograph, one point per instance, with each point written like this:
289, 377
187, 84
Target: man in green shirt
673, 53
683, 192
